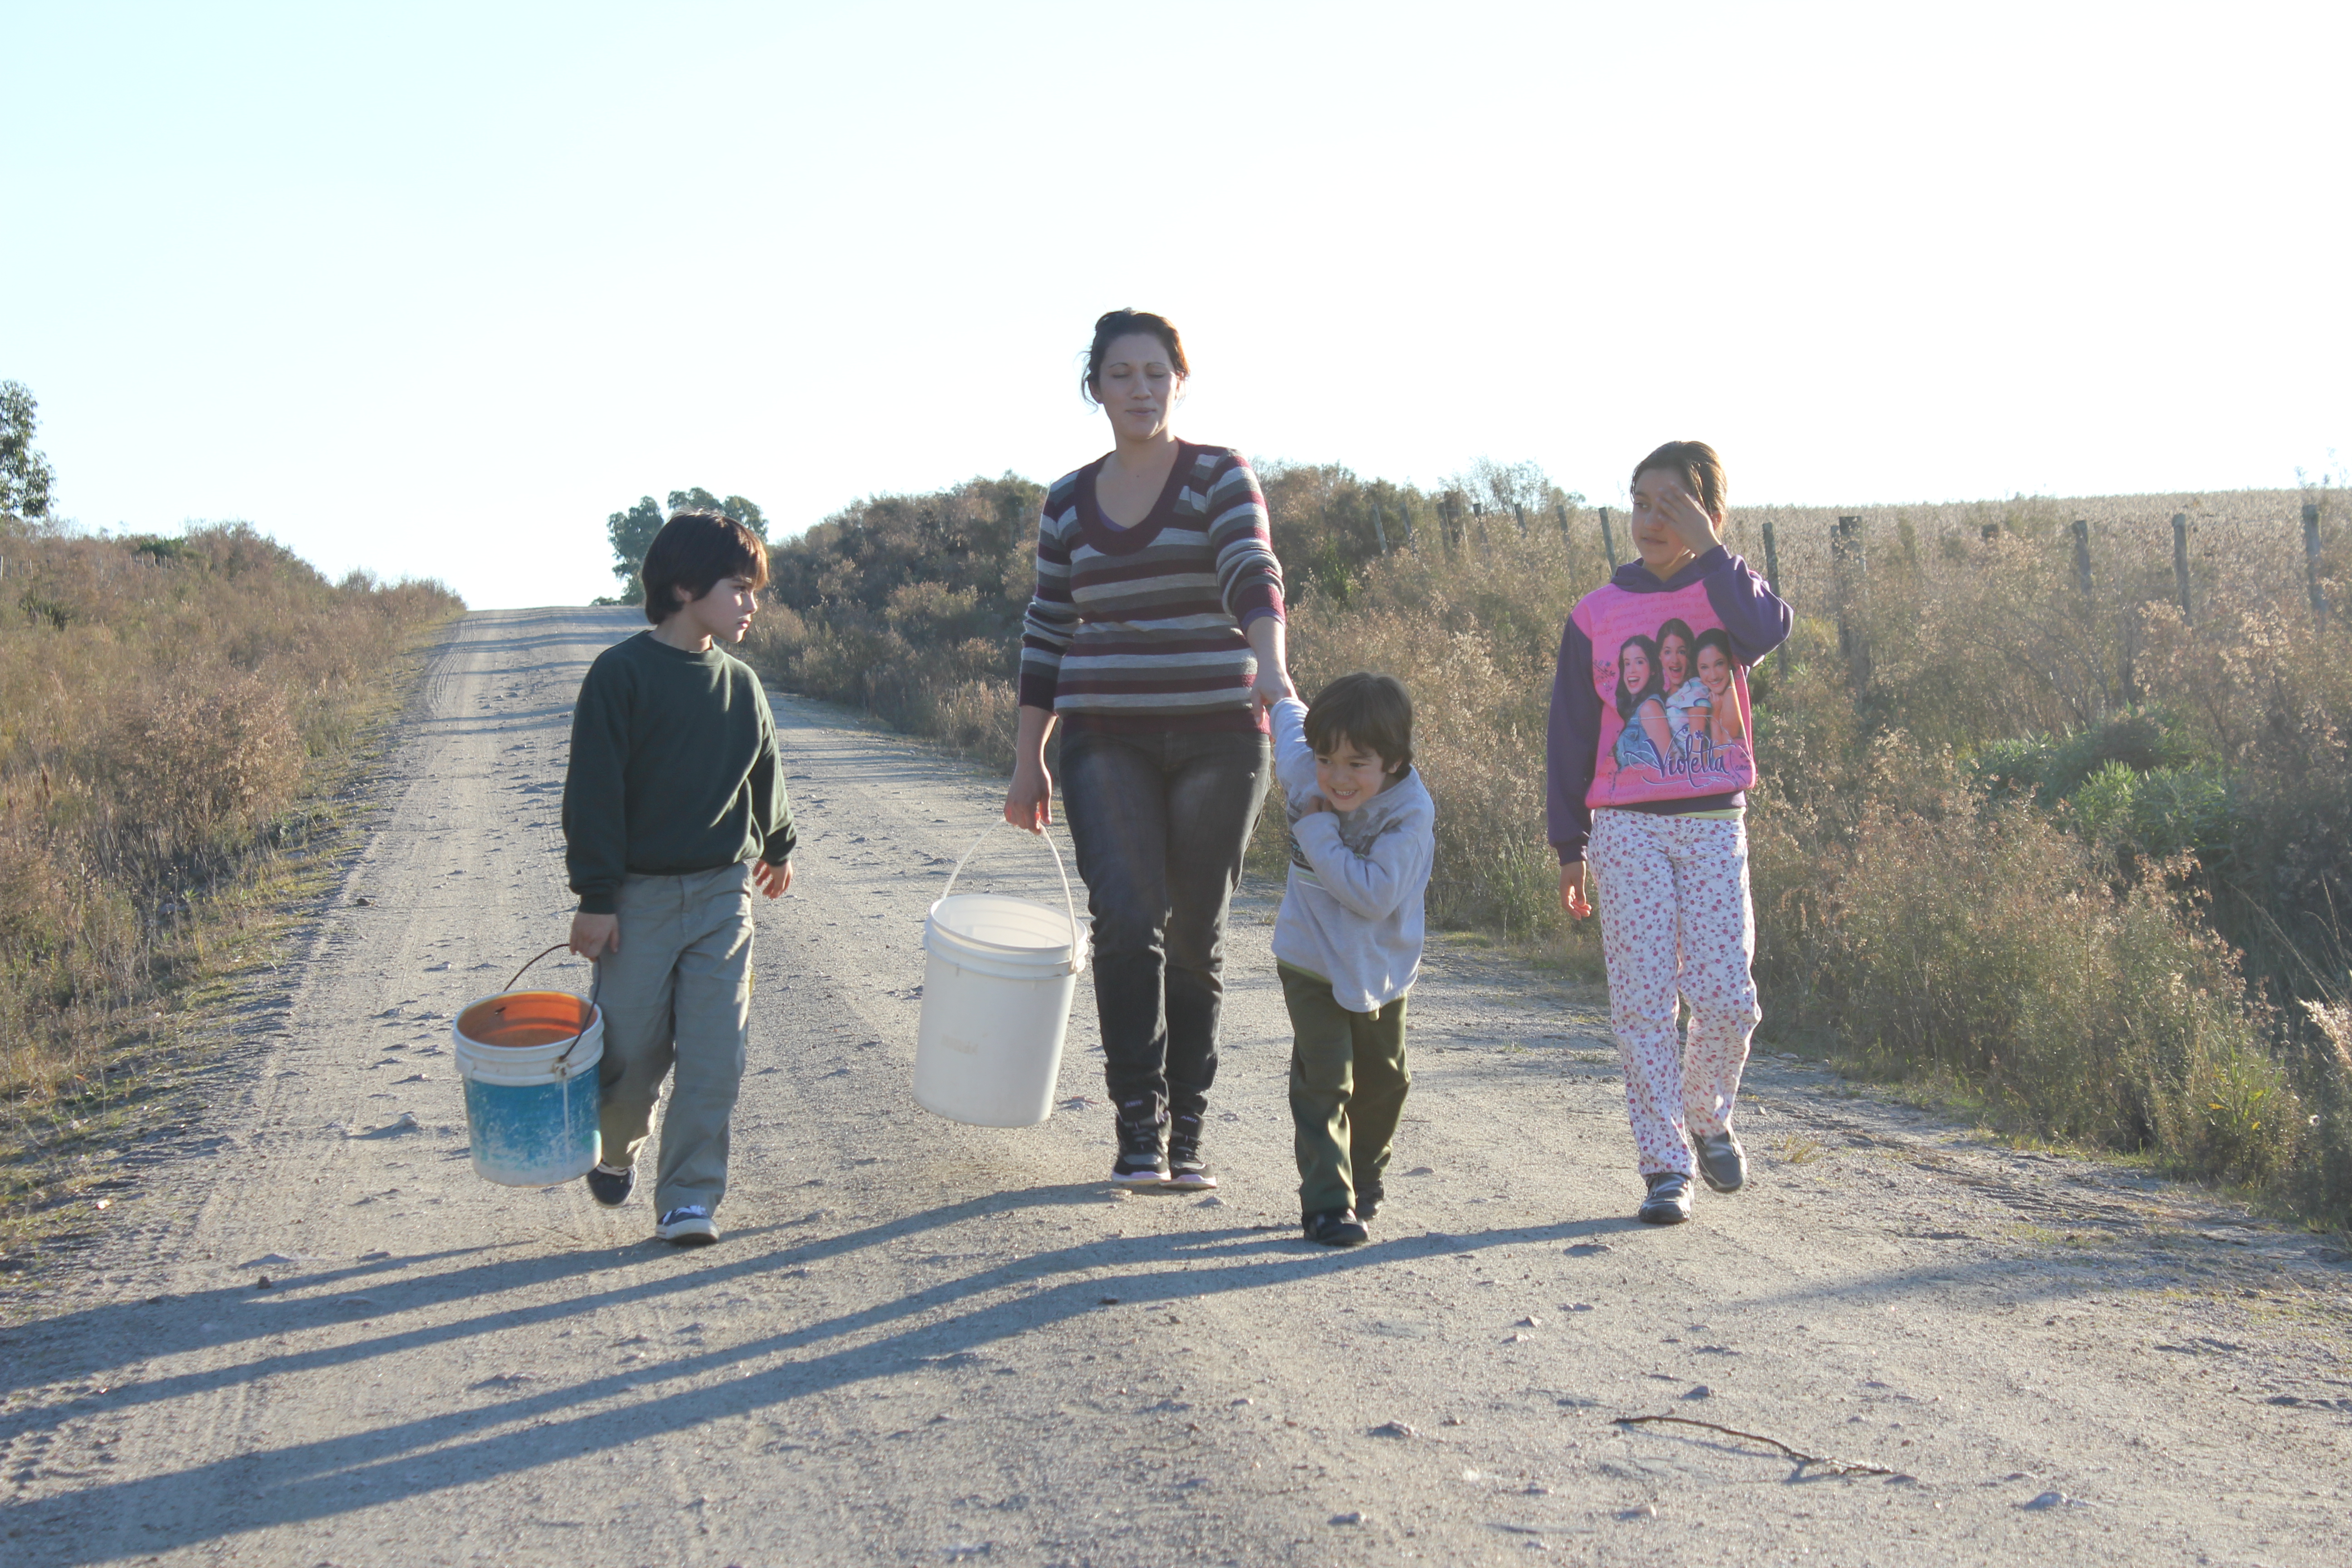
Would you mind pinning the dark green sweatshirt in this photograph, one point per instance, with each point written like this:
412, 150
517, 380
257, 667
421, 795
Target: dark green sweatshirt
674, 769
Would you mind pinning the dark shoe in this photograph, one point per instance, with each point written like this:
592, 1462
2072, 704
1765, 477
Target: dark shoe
610, 1187
1669, 1202
688, 1224
1369, 1201
1722, 1162
1185, 1167
1139, 1162
1337, 1227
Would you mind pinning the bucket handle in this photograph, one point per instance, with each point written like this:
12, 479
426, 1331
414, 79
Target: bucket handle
595, 982
1078, 959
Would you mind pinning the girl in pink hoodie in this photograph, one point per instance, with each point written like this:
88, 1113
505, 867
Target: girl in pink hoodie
1658, 815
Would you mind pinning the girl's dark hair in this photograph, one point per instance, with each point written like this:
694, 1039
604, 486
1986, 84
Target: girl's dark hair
1700, 471
693, 551
1629, 704
1375, 711
1719, 639
1113, 325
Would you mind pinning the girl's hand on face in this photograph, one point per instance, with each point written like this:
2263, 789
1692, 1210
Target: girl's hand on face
1689, 521
1313, 803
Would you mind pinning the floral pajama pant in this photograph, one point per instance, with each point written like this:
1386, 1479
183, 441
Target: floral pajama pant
1675, 920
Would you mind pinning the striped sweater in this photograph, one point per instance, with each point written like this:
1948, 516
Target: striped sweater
1140, 629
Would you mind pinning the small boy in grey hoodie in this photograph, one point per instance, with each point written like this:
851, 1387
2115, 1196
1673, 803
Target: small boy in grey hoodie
1348, 941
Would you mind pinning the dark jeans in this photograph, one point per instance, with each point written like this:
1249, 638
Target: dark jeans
1161, 822
1347, 1084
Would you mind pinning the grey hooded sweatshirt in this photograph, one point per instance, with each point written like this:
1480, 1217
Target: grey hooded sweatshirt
1351, 913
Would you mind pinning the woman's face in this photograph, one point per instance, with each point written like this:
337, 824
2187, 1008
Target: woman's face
1634, 670
1713, 670
1674, 657
1137, 386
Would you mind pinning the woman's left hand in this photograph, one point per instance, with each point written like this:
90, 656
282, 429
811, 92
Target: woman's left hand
1267, 641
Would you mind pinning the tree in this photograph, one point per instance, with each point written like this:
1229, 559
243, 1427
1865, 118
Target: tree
743, 512
26, 475
632, 531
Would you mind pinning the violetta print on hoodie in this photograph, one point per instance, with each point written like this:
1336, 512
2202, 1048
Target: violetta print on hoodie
1650, 709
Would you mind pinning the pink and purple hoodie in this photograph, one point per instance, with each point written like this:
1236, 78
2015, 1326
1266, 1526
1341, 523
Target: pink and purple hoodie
1649, 709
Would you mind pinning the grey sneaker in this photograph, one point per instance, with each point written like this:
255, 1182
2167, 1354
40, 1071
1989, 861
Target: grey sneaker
688, 1224
1669, 1202
1722, 1162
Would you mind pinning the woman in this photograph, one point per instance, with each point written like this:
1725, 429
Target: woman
1155, 640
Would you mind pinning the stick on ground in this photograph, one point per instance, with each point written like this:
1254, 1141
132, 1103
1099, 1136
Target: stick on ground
1834, 1465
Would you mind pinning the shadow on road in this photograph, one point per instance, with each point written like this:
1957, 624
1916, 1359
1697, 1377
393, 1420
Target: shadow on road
341, 1475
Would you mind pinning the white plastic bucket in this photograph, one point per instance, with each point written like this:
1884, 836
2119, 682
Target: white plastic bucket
529, 1062
996, 1002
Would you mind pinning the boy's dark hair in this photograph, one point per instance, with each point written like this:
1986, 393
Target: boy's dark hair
1700, 471
693, 551
1113, 325
1373, 711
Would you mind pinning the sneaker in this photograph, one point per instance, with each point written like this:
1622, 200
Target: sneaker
1669, 1202
1337, 1227
1369, 1201
1140, 1162
1185, 1167
688, 1224
1722, 1162
611, 1187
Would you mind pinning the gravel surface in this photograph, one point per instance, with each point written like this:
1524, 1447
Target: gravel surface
310, 1336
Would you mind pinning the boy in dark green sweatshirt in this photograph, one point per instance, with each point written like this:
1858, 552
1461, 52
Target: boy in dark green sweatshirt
674, 811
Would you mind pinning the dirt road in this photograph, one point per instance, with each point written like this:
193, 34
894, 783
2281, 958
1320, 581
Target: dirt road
923, 1343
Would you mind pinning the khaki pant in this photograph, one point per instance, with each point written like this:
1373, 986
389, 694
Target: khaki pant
1347, 1084
678, 993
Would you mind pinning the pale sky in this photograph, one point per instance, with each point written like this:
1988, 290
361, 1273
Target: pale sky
432, 290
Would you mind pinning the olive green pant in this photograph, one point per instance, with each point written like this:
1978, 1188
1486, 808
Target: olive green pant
1347, 1084
679, 993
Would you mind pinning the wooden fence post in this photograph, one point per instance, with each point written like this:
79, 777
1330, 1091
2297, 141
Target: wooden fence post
1380, 527
1560, 510
1850, 565
1607, 539
2180, 564
1772, 581
1521, 513
2082, 556
2311, 562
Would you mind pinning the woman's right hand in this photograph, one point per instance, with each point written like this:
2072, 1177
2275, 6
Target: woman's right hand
1029, 803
